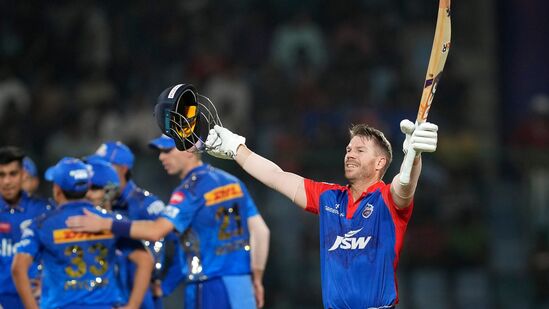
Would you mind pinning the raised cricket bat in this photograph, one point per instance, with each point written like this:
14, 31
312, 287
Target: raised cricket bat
439, 53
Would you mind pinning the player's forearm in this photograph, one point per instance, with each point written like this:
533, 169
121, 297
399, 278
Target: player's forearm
140, 229
146, 229
144, 262
403, 194
259, 243
150, 230
23, 285
270, 174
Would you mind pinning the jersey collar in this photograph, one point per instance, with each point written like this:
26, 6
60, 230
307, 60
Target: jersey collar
77, 203
128, 189
371, 188
201, 168
375, 186
20, 207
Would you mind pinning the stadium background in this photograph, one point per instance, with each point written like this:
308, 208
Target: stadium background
291, 76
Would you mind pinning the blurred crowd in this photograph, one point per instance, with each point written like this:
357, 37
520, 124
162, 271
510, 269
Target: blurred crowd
292, 76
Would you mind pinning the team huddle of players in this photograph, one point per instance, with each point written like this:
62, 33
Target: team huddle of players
46, 264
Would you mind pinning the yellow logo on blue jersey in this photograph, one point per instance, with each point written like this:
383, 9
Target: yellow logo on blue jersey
222, 194
63, 236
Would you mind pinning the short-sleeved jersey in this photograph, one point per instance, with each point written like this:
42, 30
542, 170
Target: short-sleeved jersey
138, 204
360, 243
210, 209
78, 267
178, 268
12, 221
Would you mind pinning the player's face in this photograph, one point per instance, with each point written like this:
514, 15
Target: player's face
95, 196
361, 159
169, 159
30, 183
11, 179
176, 162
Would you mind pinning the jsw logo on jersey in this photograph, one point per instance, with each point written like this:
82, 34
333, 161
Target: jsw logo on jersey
348, 242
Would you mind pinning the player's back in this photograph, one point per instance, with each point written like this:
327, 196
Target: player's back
218, 234
78, 266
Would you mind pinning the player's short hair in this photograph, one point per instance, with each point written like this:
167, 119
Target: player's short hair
128, 175
9, 154
71, 195
379, 139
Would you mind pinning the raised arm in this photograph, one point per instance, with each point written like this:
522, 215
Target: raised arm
422, 138
224, 144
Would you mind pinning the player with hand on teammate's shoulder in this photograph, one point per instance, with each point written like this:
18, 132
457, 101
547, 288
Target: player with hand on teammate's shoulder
224, 237
362, 223
78, 268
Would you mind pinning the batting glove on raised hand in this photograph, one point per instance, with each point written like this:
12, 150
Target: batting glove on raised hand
222, 143
422, 138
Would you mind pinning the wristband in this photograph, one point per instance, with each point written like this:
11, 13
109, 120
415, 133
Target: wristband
121, 227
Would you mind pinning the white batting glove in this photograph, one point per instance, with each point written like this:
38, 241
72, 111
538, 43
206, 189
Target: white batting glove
222, 143
422, 138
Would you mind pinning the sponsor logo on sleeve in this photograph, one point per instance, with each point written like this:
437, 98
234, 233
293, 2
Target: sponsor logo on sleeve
170, 211
177, 198
155, 208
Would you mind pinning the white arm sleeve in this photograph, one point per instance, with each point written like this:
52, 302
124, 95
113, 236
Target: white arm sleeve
403, 194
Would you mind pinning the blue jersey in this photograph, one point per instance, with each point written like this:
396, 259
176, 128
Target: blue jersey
138, 204
210, 209
178, 269
360, 243
12, 221
78, 267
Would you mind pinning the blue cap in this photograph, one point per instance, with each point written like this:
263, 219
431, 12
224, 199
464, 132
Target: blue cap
163, 142
114, 153
103, 174
30, 167
70, 174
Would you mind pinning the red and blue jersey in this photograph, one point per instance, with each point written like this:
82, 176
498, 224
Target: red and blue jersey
360, 243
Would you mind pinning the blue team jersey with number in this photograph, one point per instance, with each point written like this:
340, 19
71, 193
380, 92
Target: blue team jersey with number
12, 221
210, 209
360, 243
78, 267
